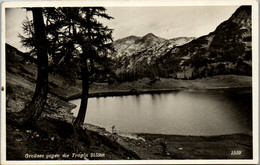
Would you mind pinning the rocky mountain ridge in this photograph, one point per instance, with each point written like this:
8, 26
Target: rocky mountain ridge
227, 50
129, 45
135, 54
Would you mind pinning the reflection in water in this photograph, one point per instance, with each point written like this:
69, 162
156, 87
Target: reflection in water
198, 112
137, 99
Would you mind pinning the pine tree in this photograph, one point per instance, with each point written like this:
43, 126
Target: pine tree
93, 57
75, 39
88, 38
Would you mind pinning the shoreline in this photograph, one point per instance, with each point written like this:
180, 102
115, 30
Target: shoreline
113, 93
170, 146
103, 130
68, 92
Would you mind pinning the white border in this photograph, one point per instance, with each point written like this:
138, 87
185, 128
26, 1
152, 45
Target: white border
131, 3
255, 74
127, 3
3, 78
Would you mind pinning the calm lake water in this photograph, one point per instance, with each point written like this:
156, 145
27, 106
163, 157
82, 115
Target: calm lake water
188, 112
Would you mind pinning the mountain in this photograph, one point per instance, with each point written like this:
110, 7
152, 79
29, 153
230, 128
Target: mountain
227, 50
129, 45
137, 54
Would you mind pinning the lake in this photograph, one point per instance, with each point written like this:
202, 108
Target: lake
186, 112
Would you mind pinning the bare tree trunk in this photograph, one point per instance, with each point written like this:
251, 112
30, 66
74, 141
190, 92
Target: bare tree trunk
32, 111
85, 84
84, 96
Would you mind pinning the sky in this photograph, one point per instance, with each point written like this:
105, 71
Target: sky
166, 22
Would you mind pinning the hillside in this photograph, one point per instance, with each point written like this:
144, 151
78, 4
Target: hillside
227, 50
53, 135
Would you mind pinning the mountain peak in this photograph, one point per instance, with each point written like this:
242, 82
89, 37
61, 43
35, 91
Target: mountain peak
149, 35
